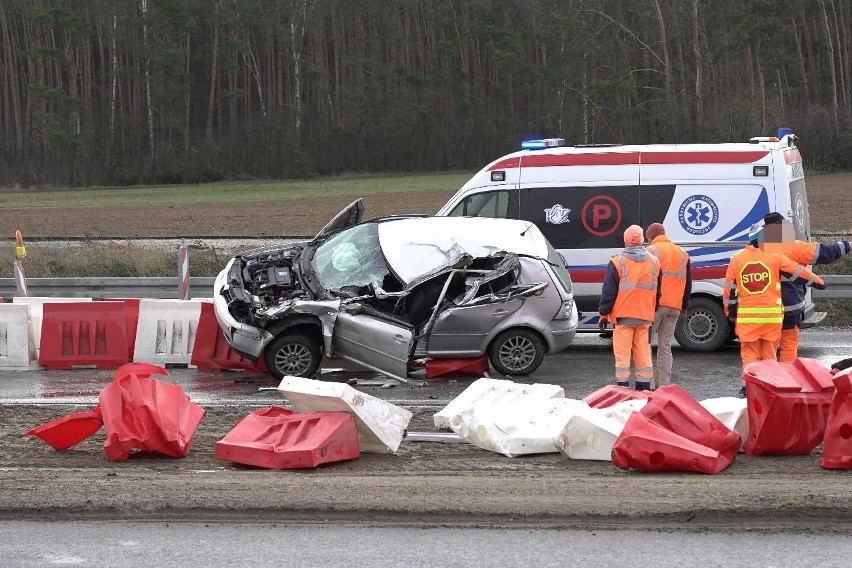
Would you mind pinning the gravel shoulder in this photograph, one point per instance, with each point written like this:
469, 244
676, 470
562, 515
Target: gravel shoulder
423, 485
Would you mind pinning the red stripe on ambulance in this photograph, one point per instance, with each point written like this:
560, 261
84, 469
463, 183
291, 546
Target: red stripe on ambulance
539, 160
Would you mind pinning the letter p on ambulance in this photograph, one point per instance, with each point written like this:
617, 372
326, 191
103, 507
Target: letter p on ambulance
600, 212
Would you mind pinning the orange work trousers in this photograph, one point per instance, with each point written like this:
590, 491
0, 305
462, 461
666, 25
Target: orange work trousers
758, 350
789, 344
632, 341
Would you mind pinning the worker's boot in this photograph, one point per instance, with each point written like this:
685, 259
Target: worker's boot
643, 385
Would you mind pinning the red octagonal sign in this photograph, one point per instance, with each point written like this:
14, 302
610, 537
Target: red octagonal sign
755, 277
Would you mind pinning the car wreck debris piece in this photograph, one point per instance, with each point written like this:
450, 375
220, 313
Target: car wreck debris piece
138, 413
381, 425
488, 391
612, 394
456, 366
277, 438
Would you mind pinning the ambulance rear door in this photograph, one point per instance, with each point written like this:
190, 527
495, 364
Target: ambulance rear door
582, 200
791, 175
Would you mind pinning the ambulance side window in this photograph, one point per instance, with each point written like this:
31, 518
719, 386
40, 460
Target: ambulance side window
493, 204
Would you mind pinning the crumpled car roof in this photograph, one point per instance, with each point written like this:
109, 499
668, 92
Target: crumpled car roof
418, 249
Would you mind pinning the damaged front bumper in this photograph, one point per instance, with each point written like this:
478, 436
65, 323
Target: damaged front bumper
247, 340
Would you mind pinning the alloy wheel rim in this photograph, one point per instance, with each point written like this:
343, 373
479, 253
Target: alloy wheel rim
517, 353
293, 359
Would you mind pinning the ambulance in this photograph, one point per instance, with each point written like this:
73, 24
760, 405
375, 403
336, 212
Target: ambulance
707, 196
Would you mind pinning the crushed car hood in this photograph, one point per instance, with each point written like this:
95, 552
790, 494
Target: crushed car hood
418, 249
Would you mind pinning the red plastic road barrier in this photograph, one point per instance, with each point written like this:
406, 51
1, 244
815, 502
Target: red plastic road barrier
83, 333
146, 414
131, 315
69, 430
211, 351
458, 366
276, 438
647, 446
613, 394
675, 410
787, 406
837, 445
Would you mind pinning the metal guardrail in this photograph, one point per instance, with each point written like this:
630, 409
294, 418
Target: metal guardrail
839, 286
99, 288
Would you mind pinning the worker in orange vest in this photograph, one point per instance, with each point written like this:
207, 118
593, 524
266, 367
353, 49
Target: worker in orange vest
779, 236
754, 275
629, 297
674, 296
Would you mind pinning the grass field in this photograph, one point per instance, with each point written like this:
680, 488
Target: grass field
230, 192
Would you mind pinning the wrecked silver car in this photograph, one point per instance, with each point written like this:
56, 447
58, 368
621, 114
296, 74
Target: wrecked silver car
386, 292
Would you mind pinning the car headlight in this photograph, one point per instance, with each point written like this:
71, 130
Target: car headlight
565, 310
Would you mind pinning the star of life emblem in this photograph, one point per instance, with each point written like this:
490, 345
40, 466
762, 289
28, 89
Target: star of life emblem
698, 214
557, 215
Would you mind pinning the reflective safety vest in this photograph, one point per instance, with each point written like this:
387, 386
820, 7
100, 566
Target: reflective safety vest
637, 288
756, 276
673, 262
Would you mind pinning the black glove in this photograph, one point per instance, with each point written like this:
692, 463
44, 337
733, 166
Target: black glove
818, 286
602, 323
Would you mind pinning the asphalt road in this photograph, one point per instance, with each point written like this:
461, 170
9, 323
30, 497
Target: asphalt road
581, 369
121, 545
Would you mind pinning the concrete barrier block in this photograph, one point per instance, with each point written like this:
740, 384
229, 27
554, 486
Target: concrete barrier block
166, 331
730, 411
526, 425
381, 425
17, 349
487, 391
36, 310
590, 434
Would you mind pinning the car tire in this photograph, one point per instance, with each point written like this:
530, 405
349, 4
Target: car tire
516, 352
705, 327
292, 354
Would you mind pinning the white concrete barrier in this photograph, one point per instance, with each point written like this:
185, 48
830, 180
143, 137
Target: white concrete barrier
526, 425
730, 411
17, 348
492, 391
166, 331
590, 434
35, 307
381, 425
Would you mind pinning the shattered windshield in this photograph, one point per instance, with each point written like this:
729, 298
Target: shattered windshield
351, 258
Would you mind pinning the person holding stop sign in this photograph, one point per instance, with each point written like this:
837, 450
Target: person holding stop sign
752, 296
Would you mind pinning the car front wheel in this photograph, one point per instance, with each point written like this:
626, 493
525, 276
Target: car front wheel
705, 327
516, 352
293, 354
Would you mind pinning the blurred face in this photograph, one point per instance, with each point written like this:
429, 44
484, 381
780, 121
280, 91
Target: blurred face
775, 234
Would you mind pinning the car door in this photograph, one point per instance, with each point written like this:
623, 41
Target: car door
374, 342
462, 330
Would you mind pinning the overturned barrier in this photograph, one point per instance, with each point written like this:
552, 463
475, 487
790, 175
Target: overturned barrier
837, 443
381, 425
166, 331
591, 433
83, 334
526, 425
17, 348
613, 394
730, 411
277, 438
492, 391
788, 406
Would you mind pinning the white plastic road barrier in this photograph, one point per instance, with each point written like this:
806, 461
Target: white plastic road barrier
17, 349
35, 306
487, 391
730, 411
590, 434
166, 331
526, 425
381, 425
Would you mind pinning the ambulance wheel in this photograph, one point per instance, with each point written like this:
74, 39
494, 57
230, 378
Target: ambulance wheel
516, 352
293, 354
705, 327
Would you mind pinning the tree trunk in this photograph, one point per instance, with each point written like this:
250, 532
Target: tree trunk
214, 74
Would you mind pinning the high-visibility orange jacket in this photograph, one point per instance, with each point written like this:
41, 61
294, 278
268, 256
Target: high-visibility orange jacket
677, 279
755, 275
638, 277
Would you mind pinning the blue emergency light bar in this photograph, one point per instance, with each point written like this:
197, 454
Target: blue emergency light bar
542, 144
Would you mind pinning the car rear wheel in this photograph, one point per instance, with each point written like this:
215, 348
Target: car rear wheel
293, 354
516, 352
705, 327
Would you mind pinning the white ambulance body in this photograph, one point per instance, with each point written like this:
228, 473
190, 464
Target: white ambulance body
707, 196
